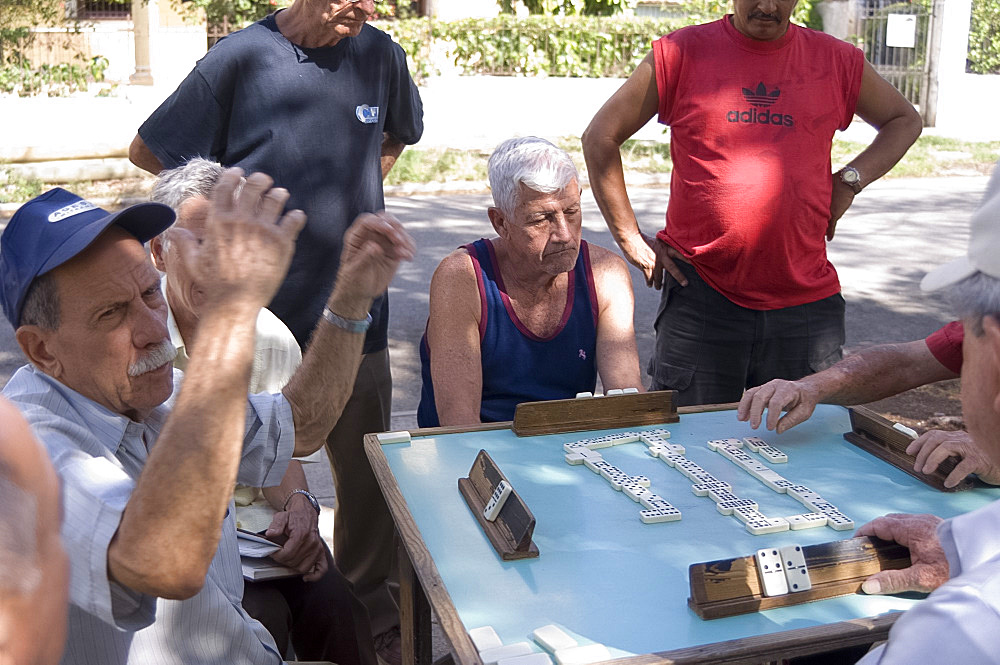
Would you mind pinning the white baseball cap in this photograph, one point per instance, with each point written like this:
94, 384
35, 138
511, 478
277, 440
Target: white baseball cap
983, 254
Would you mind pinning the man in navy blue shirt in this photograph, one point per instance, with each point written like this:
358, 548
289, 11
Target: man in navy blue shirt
324, 103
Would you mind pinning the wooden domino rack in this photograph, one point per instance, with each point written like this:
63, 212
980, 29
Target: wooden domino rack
878, 436
510, 533
732, 586
575, 415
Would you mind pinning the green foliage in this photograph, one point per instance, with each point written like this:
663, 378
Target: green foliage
570, 7
588, 46
698, 11
555, 46
237, 13
415, 36
52, 80
702, 11
984, 37
17, 17
240, 13
15, 188
395, 9
438, 165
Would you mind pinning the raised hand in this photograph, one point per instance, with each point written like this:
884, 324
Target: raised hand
374, 245
247, 247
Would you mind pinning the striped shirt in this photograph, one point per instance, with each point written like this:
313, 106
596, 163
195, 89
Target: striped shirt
99, 455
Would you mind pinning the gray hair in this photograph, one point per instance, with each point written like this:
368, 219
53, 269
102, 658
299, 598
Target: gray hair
41, 303
19, 570
197, 177
531, 161
974, 297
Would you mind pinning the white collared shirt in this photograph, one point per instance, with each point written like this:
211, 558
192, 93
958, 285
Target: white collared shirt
960, 621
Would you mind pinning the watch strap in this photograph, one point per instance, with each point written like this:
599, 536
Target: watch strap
357, 326
307, 494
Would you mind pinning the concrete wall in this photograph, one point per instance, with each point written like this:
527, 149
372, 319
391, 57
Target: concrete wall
111, 38
839, 17
963, 100
174, 52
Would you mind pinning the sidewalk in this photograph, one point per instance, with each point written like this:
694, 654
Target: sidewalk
87, 138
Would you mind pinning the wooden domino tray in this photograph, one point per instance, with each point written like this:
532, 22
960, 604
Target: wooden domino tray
604, 575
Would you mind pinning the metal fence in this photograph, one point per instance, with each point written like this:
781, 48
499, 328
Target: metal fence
103, 9
905, 67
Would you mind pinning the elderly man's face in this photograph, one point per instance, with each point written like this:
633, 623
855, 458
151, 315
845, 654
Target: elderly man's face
177, 252
545, 229
981, 385
112, 343
765, 20
346, 18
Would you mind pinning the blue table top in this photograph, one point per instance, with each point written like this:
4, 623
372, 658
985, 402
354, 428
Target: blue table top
609, 578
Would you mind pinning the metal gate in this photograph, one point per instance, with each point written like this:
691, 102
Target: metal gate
882, 26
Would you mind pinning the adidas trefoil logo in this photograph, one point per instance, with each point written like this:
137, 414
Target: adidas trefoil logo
761, 97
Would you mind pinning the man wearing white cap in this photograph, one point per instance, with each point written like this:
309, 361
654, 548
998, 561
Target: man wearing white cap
960, 620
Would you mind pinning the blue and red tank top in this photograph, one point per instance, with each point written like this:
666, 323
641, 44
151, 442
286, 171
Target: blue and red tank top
517, 365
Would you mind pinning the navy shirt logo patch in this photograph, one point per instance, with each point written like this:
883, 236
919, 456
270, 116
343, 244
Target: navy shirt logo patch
367, 114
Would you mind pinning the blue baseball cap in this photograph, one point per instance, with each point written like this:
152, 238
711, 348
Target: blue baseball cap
52, 228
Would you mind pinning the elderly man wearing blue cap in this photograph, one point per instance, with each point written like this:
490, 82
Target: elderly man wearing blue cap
155, 574
960, 557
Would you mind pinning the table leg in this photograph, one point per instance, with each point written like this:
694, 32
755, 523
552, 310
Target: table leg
414, 615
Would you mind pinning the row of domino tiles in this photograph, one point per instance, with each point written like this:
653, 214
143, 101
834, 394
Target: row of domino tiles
658, 509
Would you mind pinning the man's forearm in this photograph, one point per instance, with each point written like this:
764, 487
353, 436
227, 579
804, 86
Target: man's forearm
877, 373
140, 155
607, 182
167, 552
391, 150
294, 479
321, 386
890, 144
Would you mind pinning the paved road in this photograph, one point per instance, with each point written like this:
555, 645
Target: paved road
893, 233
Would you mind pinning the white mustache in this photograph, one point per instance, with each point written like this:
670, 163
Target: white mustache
155, 359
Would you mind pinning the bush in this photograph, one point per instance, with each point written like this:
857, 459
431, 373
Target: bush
577, 46
51, 80
581, 46
555, 46
984, 37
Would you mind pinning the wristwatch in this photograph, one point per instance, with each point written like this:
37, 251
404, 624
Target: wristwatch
307, 494
356, 326
850, 177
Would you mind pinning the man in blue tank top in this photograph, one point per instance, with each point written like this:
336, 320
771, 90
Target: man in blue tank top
533, 314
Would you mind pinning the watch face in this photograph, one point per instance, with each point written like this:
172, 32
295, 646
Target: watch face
850, 176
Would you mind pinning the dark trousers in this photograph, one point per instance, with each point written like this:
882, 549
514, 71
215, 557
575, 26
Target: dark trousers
364, 536
322, 619
710, 350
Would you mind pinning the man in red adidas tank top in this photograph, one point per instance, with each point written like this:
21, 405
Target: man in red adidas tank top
752, 102
533, 314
